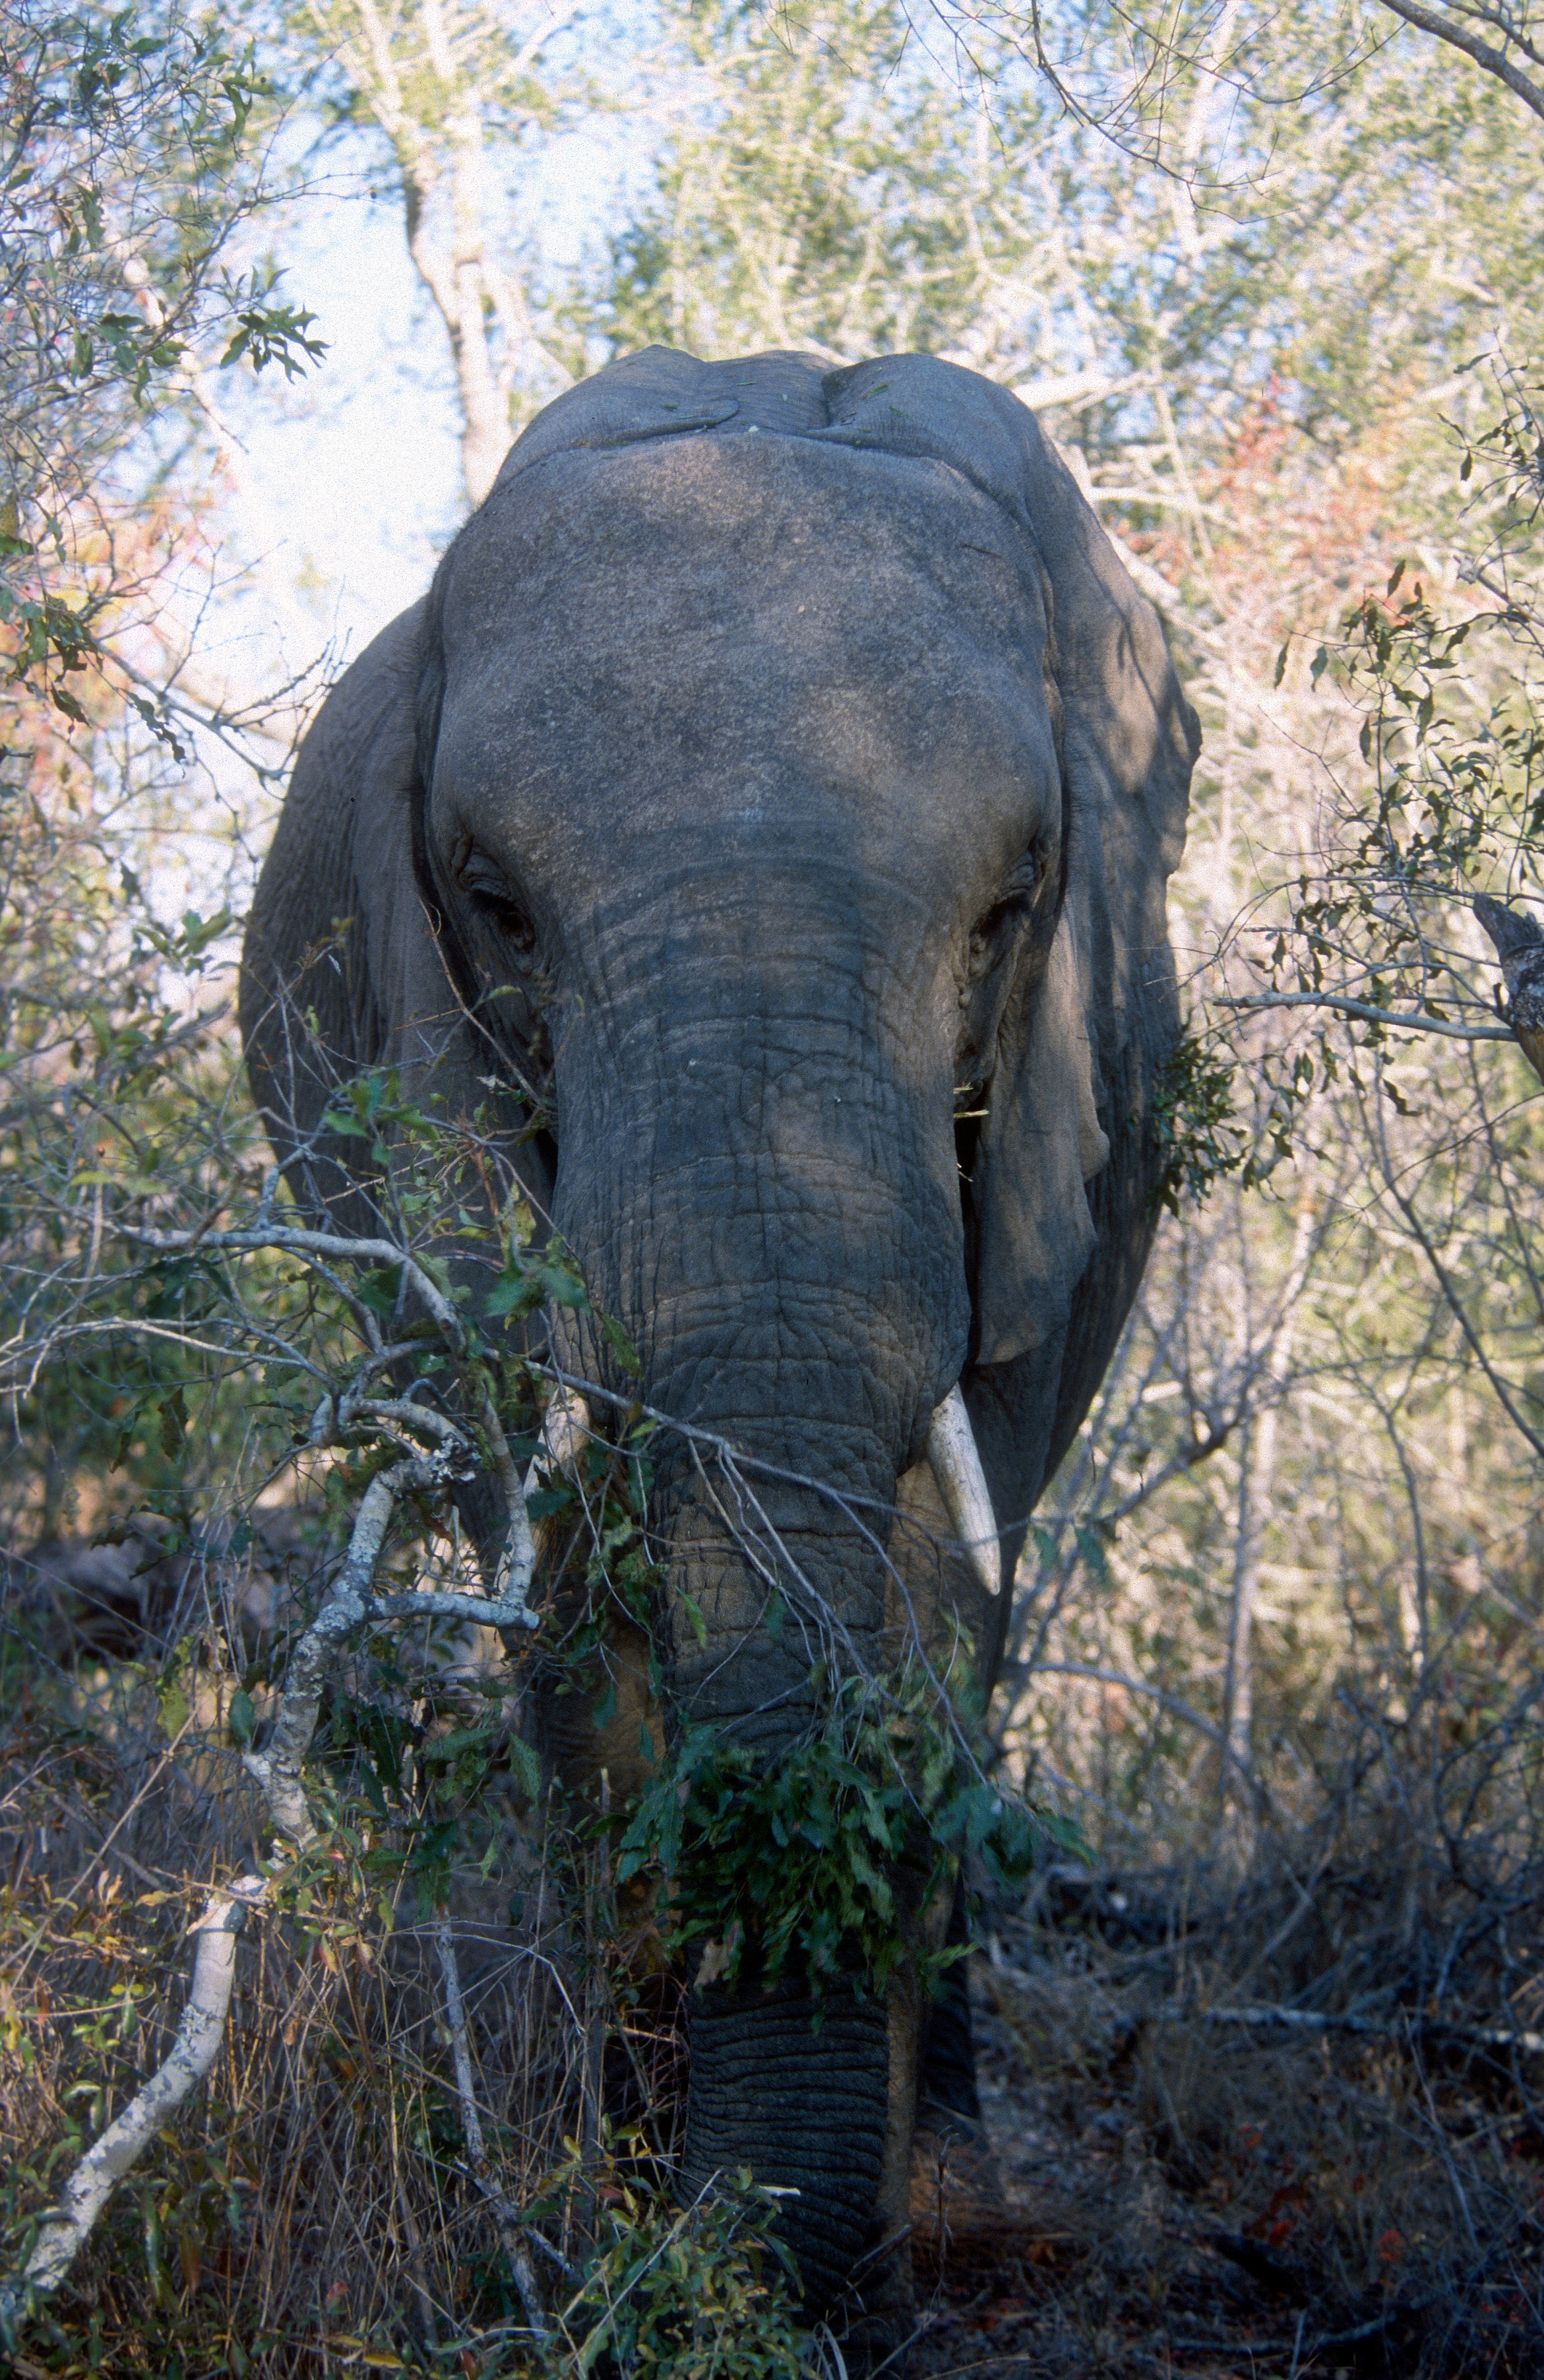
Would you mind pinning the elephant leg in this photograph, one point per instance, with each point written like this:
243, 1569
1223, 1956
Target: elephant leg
946, 2080
836, 2131
956, 2196
808, 2110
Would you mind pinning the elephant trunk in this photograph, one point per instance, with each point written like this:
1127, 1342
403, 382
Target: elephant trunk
780, 1230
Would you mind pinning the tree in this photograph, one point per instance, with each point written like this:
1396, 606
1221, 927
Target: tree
1465, 27
131, 166
127, 177
459, 89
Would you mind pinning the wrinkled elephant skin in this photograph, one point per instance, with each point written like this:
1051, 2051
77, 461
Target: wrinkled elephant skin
780, 780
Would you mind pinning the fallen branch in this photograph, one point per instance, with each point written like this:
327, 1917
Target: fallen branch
65, 2228
1379, 2028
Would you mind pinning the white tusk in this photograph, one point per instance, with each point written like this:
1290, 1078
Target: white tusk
963, 1485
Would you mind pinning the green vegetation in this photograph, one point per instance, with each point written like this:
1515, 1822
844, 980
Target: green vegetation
824, 1860
1276, 1638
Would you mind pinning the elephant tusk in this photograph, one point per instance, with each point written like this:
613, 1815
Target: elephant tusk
963, 1485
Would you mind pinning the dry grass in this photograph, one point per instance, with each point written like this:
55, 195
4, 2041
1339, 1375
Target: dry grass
312, 2212
1359, 2191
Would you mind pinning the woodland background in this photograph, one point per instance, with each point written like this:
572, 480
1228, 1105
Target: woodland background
276, 294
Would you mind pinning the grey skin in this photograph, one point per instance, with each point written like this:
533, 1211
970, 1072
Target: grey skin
792, 750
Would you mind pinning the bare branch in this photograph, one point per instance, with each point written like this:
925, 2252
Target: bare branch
66, 2228
1404, 1022
1445, 28
505, 2215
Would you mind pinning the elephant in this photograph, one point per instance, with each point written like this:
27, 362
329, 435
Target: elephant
770, 809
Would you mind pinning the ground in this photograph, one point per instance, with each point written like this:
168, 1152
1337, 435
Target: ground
1199, 2197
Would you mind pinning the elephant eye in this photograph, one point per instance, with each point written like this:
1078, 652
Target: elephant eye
488, 891
994, 928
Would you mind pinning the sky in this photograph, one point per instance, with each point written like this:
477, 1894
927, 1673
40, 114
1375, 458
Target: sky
346, 489
355, 485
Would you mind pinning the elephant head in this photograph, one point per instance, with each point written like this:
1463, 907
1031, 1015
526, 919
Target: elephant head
778, 787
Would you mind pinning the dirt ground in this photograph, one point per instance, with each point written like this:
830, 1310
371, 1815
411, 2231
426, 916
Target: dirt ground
1190, 2194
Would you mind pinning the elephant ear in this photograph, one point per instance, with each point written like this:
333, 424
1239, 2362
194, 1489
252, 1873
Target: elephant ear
341, 970
1040, 1144
1069, 1105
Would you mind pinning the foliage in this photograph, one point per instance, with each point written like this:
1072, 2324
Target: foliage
672, 2292
457, 94
821, 1859
1194, 1122
131, 164
126, 170
822, 193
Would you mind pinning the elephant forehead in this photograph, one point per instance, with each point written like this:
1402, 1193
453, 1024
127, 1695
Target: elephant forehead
731, 618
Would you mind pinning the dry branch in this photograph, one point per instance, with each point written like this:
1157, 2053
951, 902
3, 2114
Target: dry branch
1404, 1020
64, 2229
278, 1768
504, 2214
1391, 2028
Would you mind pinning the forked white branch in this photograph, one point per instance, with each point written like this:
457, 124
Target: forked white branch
278, 1767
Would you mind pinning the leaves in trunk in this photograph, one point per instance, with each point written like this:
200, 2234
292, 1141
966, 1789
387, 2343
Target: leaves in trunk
819, 1862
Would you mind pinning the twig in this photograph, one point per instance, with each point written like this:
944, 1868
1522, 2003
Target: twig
1404, 1021
1182, 1710
1442, 2139
504, 2214
315, 1244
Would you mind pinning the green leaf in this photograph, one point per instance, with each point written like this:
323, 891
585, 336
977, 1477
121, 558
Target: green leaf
241, 1715
513, 1292
621, 1346
439, 1750
173, 1709
173, 1425
379, 1291
275, 334
693, 1611
559, 1275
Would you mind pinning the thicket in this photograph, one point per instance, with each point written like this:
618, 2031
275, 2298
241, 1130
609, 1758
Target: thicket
1276, 1660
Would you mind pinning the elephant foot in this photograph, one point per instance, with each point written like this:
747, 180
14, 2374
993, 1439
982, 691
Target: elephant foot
959, 2205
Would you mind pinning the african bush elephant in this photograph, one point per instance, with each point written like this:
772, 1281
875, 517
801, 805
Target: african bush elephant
780, 782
